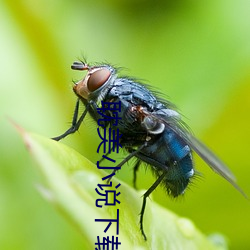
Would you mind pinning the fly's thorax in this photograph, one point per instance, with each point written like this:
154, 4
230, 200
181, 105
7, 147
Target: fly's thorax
95, 84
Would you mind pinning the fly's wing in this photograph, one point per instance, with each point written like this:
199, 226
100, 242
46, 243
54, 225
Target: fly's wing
212, 160
175, 124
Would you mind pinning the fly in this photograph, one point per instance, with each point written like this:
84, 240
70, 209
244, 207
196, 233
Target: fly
152, 130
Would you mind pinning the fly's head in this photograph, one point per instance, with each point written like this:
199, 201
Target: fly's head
92, 86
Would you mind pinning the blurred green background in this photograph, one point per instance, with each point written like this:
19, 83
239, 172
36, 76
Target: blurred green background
196, 52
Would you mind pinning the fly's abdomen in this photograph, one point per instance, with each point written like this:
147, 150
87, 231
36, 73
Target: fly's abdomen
180, 167
178, 176
172, 155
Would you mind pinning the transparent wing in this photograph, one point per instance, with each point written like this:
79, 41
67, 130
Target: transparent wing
208, 156
175, 124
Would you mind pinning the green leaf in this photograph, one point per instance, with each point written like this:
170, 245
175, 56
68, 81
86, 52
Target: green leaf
70, 181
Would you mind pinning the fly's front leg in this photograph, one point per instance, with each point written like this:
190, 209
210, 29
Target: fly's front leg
77, 123
145, 196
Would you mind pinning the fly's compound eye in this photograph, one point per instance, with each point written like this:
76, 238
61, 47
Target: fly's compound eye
97, 79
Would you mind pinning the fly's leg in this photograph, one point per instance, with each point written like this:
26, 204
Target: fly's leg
136, 167
145, 196
75, 124
108, 153
125, 160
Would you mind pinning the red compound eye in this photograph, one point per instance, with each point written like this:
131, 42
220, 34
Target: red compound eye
97, 79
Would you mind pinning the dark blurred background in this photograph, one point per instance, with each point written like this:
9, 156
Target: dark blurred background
196, 53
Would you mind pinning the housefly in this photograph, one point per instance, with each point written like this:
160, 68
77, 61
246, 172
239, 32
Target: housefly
152, 130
